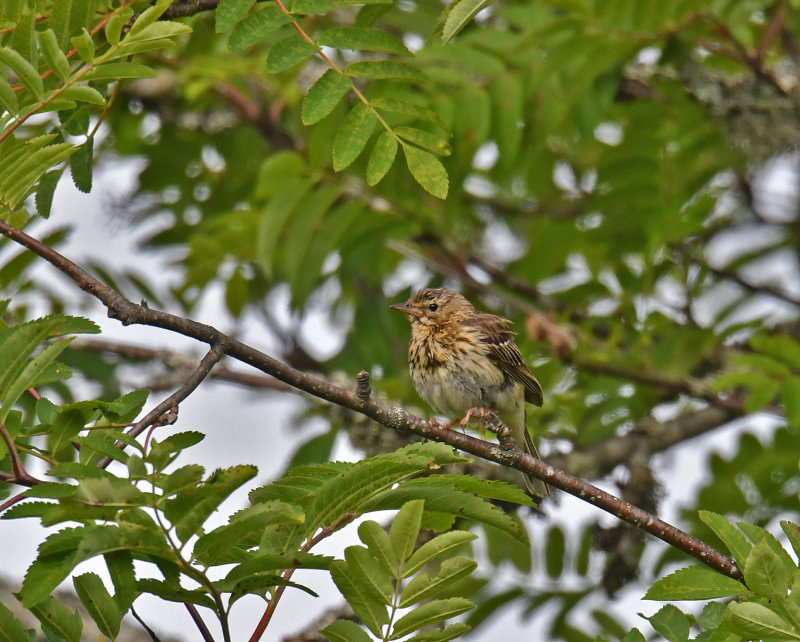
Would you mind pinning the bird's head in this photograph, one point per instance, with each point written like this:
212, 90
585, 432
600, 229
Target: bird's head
434, 307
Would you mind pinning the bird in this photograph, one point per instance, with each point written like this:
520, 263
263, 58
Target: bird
464, 361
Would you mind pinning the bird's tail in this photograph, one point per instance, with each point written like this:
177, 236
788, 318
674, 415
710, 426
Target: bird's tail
536, 487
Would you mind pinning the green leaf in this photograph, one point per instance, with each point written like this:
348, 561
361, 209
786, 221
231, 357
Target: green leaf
273, 218
148, 17
237, 292
405, 529
190, 508
459, 14
386, 69
84, 94
362, 39
371, 610
309, 217
84, 45
162, 452
756, 534
731, 536
155, 31
26, 164
81, 165
310, 7
214, 547
344, 631
324, 95
442, 494
350, 490
634, 635
427, 171
58, 618
790, 396
29, 374
8, 98
443, 544
406, 108
763, 390
51, 567
381, 158
56, 59
756, 621
12, 630
230, 12
111, 71
780, 346
555, 550
115, 25
764, 572
423, 586
172, 592
380, 546
24, 70
508, 115
266, 562
98, 603
289, 52
424, 139
120, 568
367, 571
671, 624
792, 532
45, 191
430, 613
352, 136
256, 26
695, 583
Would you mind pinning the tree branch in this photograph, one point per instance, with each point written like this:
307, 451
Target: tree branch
21, 475
394, 417
169, 406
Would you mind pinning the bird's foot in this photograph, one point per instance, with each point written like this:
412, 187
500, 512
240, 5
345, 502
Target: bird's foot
435, 424
480, 413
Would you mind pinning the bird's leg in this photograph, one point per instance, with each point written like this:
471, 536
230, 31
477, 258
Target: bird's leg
435, 424
480, 413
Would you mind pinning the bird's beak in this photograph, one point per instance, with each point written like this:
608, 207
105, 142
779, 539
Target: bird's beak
405, 308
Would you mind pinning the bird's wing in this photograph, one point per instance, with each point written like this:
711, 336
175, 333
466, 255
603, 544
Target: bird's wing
499, 339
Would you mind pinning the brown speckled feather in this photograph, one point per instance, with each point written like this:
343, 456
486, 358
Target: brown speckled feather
499, 338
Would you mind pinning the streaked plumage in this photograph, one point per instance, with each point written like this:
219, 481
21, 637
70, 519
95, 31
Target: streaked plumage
461, 359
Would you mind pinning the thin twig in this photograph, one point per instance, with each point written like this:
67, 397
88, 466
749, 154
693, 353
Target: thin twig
149, 631
170, 404
12, 500
21, 475
287, 574
201, 626
393, 417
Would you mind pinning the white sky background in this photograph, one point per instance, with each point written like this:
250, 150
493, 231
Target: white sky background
243, 426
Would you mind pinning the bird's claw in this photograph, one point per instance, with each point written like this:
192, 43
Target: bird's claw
477, 412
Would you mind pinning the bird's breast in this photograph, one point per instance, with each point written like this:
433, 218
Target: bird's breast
454, 376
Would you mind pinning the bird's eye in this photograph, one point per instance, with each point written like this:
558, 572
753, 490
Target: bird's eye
433, 307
